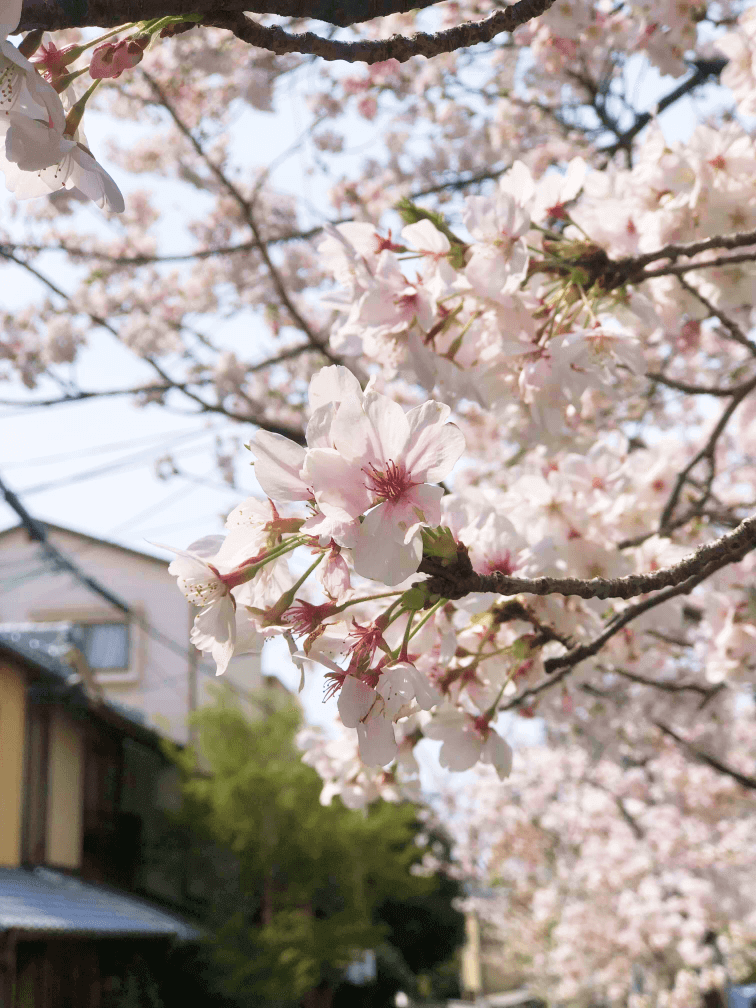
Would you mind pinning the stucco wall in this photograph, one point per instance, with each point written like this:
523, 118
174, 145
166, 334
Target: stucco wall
12, 725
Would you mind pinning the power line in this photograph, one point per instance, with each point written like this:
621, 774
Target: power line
37, 532
96, 450
110, 467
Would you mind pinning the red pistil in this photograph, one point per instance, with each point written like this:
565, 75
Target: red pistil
305, 617
390, 484
367, 639
334, 684
482, 725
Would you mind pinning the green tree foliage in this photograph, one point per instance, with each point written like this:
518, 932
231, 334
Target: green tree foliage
305, 885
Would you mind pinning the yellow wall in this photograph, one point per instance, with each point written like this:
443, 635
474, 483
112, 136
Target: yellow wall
65, 781
12, 723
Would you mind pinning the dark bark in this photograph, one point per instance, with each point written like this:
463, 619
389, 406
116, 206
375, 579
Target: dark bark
55, 14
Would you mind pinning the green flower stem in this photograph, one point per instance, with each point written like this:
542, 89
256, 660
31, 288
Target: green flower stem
365, 598
273, 614
433, 609
279, 551
76, 112
401, 651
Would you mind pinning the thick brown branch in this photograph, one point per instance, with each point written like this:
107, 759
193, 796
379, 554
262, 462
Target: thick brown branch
377, 50
567, 661
52, 15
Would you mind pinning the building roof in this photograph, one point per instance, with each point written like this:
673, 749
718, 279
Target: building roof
89, 538
45, 901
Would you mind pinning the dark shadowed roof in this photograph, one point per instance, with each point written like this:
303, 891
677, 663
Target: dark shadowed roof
44, 901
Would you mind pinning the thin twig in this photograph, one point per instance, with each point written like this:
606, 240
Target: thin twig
712, 761
707, 453
736, 333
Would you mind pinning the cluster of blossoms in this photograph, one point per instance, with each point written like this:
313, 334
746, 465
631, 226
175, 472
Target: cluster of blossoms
518, 315
366, 479
408, 664
624, 885
45, 148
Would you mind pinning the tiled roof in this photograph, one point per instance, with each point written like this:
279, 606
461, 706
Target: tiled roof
42, 900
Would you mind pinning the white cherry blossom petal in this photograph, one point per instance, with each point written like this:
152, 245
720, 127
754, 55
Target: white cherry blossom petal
333, 384
278, 466
376, 741
379, 555
356, 700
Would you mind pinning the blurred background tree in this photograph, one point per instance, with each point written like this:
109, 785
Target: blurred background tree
299, 890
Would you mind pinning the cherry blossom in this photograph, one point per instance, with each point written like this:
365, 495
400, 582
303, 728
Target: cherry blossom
466, 740
507, 270
363, 708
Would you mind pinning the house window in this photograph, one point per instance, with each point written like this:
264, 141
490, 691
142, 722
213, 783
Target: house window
106, 645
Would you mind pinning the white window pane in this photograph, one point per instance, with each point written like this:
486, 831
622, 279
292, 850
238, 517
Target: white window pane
107, 645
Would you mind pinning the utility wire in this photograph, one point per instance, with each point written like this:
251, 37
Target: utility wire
109, 467
97, 449
37, 532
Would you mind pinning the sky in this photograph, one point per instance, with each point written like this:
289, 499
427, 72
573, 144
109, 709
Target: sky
91, 466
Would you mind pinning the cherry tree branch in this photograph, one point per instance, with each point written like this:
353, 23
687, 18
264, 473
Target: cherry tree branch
457, 579
246, 207
707, 692
397, 47
567, 661
631, 821
52, 15
146, 260
704, 757
736, 333
704, 69
711, 390
701, 264
675, 250
562, 665
169, 384
707, 453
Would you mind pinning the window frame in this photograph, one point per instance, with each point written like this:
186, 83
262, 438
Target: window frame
136, 644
